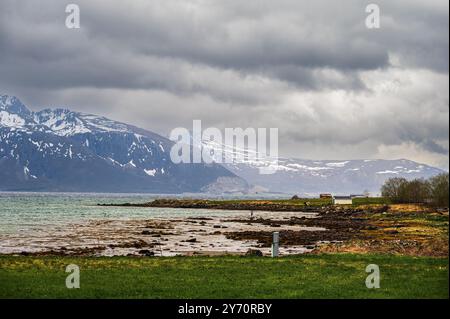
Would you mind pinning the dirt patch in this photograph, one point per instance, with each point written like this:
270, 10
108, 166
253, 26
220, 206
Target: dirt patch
433, 248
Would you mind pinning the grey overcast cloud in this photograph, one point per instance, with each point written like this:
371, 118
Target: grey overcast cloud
333, 87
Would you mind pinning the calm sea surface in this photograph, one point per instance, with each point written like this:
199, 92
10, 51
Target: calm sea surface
40, 222
27, 212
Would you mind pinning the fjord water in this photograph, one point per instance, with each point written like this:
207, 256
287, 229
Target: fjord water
55, 222
22, 213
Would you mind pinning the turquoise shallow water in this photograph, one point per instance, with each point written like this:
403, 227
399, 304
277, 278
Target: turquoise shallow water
22, 212
42, 222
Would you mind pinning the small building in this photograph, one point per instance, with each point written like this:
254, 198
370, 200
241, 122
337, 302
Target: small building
326, 196
342, 200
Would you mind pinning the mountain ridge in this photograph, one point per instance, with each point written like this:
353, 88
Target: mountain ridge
312, 177
62, 150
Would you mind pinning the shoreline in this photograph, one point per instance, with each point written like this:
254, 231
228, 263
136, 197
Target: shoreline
304, 227
248, 205
170, 236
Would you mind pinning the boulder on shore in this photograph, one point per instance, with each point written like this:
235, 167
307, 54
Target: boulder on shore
254, 252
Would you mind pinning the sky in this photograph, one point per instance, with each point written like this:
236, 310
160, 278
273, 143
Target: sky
334, 88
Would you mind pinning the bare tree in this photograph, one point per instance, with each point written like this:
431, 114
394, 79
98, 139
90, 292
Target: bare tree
439, 186
393, 189
415, 191
434, 190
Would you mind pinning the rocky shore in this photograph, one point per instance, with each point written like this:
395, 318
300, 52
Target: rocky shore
248, 228
282, 206
341, 224
171, 236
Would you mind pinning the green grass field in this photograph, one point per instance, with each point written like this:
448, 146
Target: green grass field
307, 276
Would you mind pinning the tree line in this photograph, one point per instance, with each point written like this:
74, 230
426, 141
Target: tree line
433, 191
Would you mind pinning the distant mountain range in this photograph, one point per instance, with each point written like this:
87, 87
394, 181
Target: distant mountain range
308, 177
312, 177
62, 150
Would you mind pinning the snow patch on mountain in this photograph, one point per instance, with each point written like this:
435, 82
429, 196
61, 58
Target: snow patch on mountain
150, 172
67, 123
11, 120
338, 164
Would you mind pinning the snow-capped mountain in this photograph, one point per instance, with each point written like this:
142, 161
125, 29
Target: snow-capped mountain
311, 177
61, 150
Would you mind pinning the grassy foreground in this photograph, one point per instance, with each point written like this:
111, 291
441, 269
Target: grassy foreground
308, 276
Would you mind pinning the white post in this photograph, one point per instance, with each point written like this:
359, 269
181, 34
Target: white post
275, 244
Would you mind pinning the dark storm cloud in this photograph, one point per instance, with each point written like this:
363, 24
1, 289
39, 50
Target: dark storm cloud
432, 146
311, 68
121, 44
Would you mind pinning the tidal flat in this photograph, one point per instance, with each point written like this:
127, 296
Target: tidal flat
174, 227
